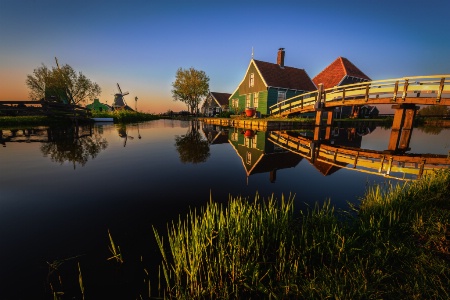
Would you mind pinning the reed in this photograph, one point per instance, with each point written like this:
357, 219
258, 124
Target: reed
394, 245
80, 281
115, 250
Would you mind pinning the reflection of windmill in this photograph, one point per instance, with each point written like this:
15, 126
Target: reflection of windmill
119, 100
123, 133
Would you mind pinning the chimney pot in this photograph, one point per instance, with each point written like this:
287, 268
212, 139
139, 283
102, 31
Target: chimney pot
280, 57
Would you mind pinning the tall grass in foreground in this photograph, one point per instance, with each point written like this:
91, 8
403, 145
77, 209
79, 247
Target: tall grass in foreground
395, 245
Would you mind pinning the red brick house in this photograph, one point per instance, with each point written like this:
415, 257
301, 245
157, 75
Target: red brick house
341, 72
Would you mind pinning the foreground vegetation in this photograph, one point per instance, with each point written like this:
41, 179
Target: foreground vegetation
396, 244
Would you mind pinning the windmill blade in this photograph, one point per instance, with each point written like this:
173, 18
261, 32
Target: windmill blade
118, 86
57, 64
126, 93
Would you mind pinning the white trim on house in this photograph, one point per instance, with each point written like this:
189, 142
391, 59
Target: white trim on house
252, 61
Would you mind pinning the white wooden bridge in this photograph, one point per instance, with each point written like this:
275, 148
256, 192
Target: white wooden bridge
417, 90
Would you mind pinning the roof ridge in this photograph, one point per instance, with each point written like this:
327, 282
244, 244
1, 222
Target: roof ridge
275, 64
343, 64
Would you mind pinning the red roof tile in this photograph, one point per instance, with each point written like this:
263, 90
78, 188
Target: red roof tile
333, 74
222, 98
286, 77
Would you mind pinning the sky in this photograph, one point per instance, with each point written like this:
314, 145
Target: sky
140, 44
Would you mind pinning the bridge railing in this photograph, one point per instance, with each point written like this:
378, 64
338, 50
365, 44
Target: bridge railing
436, 86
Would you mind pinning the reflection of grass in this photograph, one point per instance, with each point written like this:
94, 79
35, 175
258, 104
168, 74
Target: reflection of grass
430, 129
396, 244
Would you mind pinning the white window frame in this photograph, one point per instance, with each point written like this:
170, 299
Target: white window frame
234, 136
248, 99
251, 81
249, 158
281, 96
235, 103
255, 99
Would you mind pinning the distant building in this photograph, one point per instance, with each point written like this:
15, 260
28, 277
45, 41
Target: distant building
341, 72
215, 103
97, 106
266, 84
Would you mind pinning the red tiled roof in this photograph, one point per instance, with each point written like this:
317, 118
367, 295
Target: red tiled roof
333, 74
286, 77
222, 98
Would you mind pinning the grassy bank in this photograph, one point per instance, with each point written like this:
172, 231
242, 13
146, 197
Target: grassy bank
28, 121
118, 116
395, 244
123, 116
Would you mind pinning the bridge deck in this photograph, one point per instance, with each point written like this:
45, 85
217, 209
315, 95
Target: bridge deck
418, 90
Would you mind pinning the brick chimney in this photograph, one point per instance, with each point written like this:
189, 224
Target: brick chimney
280, 57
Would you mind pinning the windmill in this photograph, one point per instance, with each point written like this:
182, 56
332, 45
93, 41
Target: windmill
119, 100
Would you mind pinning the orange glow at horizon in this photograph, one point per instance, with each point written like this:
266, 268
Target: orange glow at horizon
13, 87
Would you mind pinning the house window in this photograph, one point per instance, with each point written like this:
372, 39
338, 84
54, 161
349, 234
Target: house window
248, 99
234, 136
249, 158
281, 96
255, 100
254, 141
235, 104
252, 80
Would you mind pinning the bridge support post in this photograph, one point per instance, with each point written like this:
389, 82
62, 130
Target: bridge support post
319, 124
402, 127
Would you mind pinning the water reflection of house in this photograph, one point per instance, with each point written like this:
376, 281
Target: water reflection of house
258, 155
215, 103
343, 72
215, 134
350, 136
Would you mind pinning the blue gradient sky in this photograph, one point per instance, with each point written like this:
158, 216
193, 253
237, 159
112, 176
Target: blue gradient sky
140, 44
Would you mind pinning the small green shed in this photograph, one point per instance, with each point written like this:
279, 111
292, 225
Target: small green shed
98, 106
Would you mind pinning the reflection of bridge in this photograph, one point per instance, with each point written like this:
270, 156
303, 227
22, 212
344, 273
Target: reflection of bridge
373, 162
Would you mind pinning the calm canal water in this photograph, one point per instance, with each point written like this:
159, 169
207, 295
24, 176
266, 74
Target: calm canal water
61, 190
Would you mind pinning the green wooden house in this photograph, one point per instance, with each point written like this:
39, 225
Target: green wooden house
98, 106
266, 84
